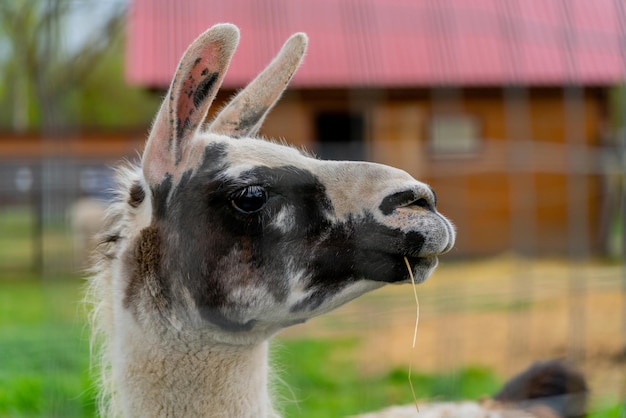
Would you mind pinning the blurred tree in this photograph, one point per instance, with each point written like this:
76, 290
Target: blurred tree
106, 101
61, 65
41, 69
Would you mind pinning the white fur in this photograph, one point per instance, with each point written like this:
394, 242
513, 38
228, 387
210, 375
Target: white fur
452, 410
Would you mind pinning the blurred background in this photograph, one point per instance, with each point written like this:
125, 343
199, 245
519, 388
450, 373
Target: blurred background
512, 110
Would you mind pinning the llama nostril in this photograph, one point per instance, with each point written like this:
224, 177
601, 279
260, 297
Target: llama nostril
422, 203
405, 199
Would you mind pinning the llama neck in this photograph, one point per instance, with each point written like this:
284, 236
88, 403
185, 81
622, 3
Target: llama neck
157, 379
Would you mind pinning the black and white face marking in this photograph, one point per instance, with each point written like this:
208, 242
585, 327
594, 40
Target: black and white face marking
260, 236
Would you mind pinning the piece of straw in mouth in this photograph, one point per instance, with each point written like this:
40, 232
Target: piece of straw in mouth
417, 319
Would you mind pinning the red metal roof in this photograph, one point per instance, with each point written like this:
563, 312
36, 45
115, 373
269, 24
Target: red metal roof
393, 43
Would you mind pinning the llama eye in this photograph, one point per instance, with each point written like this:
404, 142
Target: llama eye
250, 199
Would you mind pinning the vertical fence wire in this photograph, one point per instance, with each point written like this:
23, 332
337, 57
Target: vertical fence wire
621, 143
447, 99
521, 187
53, 182
577, 189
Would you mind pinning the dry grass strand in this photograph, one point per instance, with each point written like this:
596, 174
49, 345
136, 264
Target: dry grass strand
417, 319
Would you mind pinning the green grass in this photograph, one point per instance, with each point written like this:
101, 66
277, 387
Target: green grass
44, 360
16, 239
321, 379
19, 245
44, 365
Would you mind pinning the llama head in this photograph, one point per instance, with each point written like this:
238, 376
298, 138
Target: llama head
233, 237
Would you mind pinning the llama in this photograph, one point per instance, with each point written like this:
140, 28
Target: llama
546, 389
219, 239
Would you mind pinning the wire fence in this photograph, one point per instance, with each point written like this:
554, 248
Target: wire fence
513, 304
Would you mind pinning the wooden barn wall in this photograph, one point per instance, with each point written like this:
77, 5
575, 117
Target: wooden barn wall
99, 145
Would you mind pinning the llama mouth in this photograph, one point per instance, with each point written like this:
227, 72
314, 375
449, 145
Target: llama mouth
390, 267
421, 267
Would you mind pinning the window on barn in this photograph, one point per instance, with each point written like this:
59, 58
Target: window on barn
454, 135
340, 135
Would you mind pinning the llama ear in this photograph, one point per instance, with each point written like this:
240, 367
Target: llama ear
244, 114
195, 84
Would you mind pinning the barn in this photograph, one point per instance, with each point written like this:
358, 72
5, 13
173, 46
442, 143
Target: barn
502, 106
